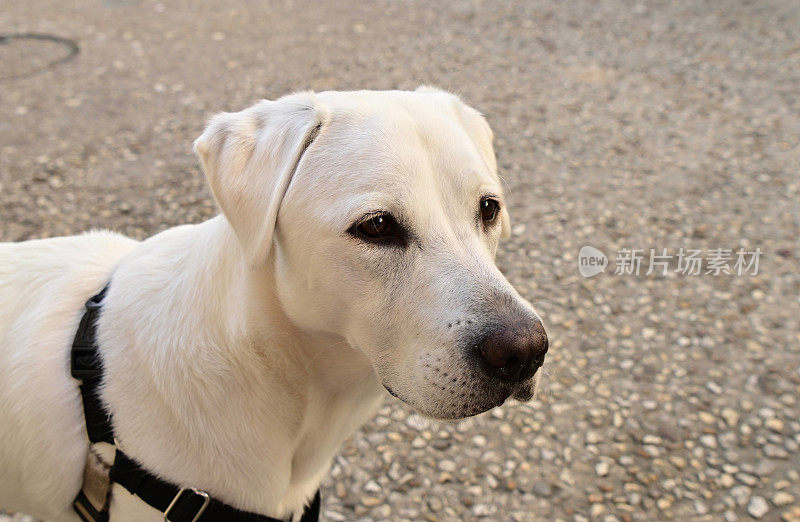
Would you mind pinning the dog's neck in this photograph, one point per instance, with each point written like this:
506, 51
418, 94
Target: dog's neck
210, 385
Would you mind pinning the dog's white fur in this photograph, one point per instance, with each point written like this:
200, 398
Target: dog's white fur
240, 352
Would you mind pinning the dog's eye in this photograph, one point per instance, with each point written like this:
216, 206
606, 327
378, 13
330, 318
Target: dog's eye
489, 208
378, 228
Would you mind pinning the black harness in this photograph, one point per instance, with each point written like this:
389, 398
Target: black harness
178, 504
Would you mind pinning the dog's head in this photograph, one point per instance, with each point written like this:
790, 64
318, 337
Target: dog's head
380, 214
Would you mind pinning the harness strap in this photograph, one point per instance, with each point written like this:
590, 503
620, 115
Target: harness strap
177, 504
87, 367
187, 504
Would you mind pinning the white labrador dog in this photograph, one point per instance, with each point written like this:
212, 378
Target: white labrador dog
354, 254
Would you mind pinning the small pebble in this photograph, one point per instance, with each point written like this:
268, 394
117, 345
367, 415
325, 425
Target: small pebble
757, 507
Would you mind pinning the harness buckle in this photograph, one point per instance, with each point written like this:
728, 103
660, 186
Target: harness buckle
199, 493
91, 504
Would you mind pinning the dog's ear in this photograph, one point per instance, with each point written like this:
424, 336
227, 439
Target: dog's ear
481, 135
249, 158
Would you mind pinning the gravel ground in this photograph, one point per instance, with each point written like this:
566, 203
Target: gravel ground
619, 125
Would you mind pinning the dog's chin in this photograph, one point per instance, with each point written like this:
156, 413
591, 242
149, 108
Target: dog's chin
492, 398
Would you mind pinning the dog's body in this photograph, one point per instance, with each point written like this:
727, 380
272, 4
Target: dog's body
239, 353
235, 418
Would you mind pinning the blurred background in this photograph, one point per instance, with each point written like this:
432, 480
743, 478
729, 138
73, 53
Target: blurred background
619, 125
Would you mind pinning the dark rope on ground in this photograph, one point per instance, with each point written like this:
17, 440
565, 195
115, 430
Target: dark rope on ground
70, 45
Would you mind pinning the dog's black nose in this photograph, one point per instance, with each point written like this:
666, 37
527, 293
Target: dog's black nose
515, 352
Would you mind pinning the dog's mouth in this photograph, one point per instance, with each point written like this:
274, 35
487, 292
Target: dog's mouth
394, 393
454, 409
521, 391
522, 394
526, 390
